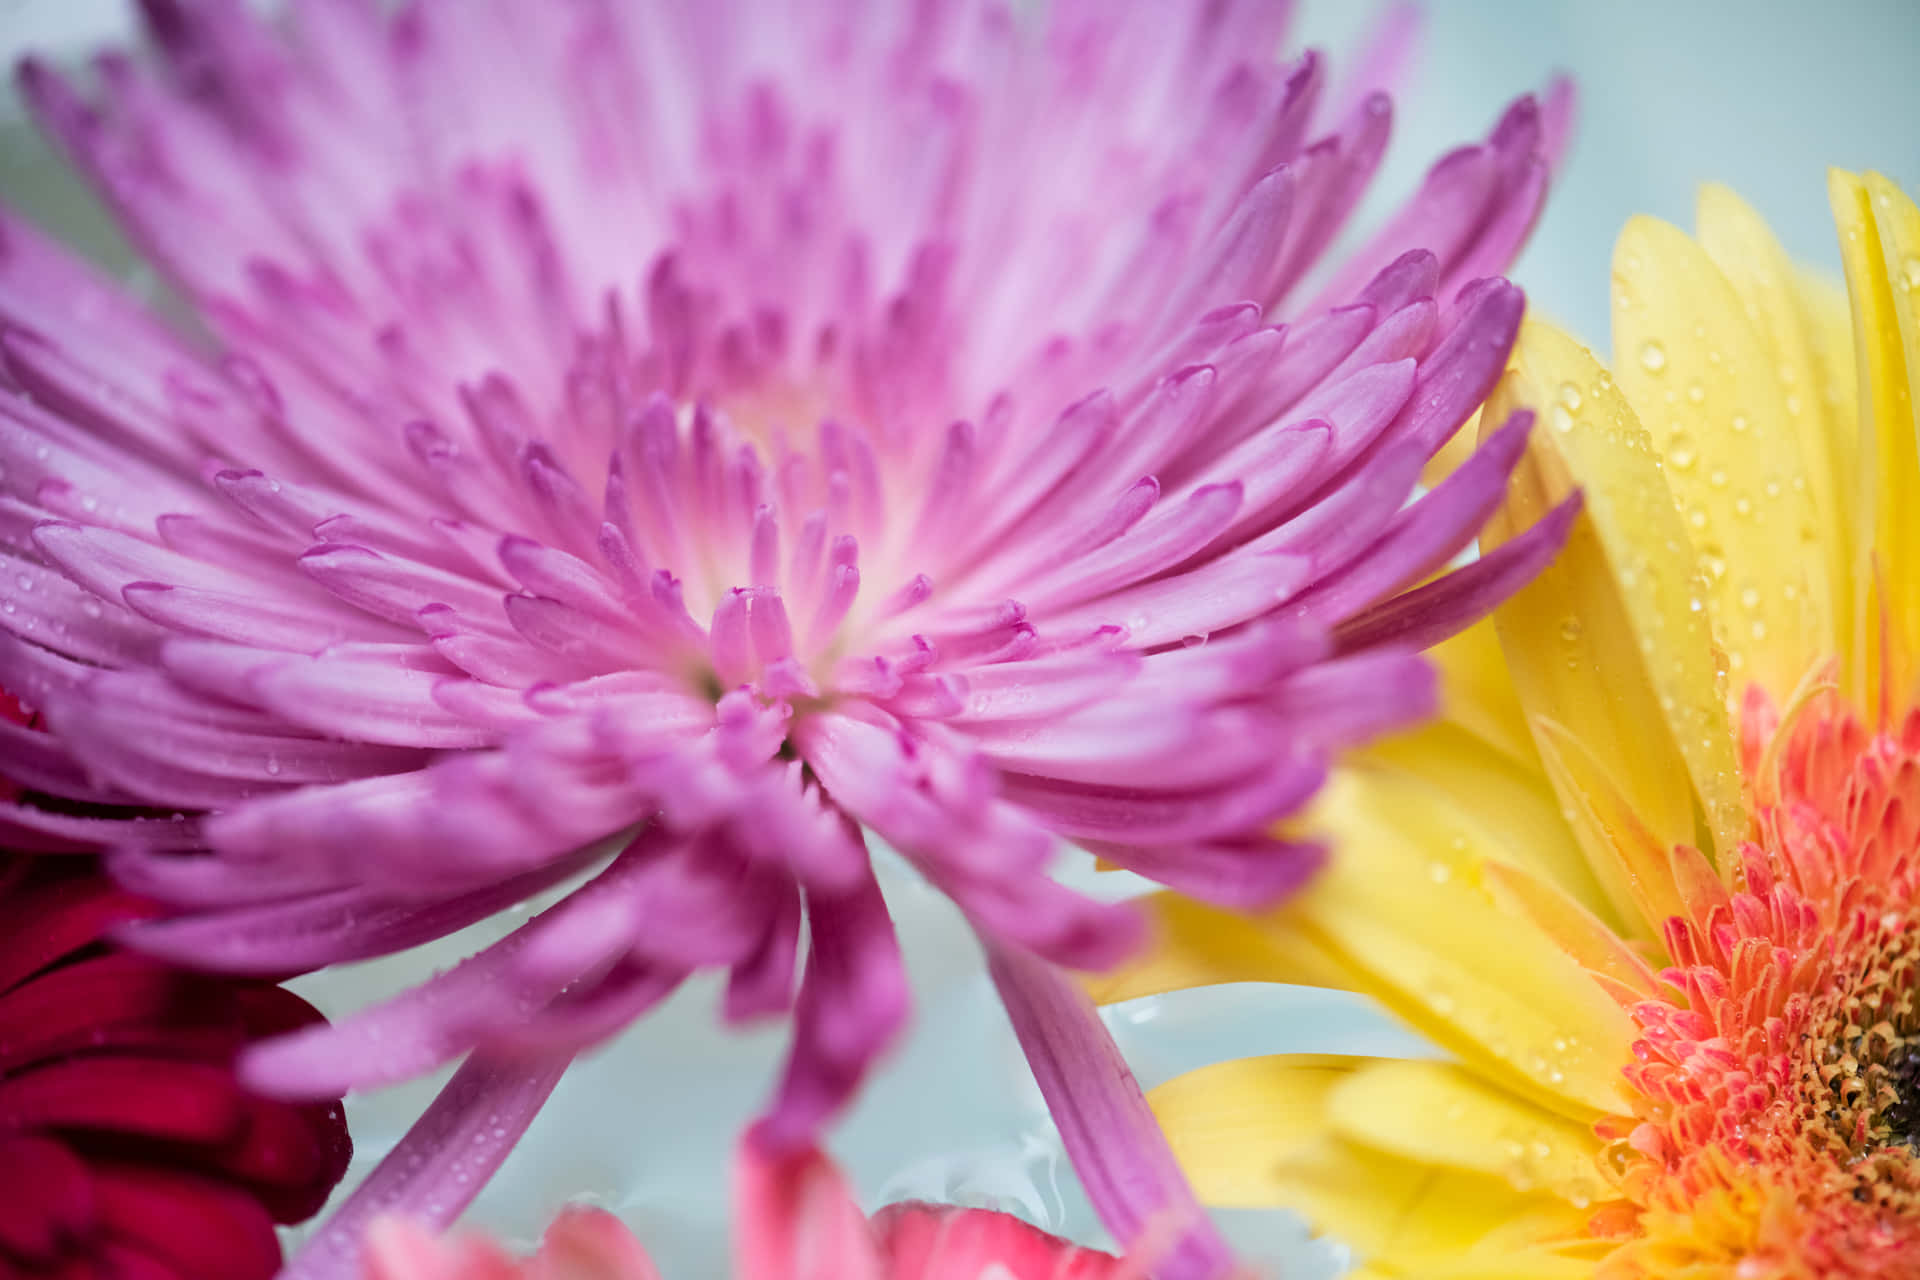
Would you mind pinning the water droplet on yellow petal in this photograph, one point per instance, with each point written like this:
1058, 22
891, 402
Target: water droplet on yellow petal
1680, 451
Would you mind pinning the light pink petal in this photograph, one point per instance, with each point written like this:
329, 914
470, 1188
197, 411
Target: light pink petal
794, 1218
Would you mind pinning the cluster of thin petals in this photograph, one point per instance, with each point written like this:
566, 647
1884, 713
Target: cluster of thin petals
671, 445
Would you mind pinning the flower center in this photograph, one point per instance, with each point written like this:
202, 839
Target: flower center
1777, 1122
1902, 1068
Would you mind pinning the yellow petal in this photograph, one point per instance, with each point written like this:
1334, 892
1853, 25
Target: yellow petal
1597, 948
1256, 1133
1407, 1218
1512, 805
1477, 694
1613, 640
1792, 374
1527, 1264
1701, 382
1195, 945
1439, 1113
1448, 457
1603, 813
1404, 907
1233, 1124
1880, 246
1829, 320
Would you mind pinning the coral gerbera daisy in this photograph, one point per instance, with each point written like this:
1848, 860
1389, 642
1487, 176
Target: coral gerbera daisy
664, 442
1655, 880
795, 1220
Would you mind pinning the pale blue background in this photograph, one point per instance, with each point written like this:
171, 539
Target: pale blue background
1759, 95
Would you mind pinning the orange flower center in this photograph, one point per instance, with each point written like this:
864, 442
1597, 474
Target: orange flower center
1777, 1104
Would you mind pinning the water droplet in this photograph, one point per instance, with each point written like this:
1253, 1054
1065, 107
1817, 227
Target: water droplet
1569, 395
1717, 477
1739, 424
1696, 394
1653, 357
1749, 597
1680, 452
1439, 872
1910, 273
1743, 506
1570, 630
1562, 420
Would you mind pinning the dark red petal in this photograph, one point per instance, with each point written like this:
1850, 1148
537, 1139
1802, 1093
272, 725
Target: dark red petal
143, 1096
46, 1199
199, 1227
117, 1261
289, 1154
113, 1001
41, 923
269, 1010
941, 1242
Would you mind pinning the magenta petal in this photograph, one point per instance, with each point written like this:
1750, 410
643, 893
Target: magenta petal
441, 1163
1109, 1132
1439, 609
853, 1002
331, 927
1250, 875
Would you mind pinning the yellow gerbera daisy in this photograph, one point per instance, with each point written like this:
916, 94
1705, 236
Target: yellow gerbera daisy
1652, 882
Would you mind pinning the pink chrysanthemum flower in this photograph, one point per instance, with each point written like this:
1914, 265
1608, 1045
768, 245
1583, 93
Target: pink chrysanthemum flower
795, 1220
698, 434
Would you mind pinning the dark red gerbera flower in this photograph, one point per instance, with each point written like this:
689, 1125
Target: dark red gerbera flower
128, 1150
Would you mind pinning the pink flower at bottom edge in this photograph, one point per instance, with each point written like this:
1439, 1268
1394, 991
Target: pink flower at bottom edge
582, 1244
796, 1220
